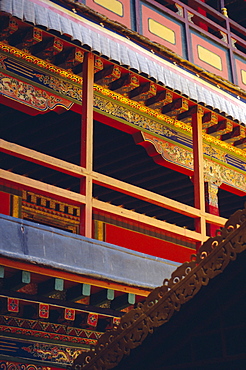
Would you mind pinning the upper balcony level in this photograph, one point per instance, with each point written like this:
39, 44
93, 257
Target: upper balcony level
139, 97
192, 29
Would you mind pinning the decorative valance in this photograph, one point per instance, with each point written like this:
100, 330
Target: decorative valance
125, 52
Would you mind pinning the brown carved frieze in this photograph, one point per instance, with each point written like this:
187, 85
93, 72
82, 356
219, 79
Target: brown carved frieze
213, 257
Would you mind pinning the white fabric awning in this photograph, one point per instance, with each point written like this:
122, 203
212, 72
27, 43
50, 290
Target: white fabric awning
125, 52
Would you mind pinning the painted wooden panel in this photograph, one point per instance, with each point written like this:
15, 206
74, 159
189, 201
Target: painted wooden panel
4, 203
116, 10
209, 56
146, 244
162, 29
241, 72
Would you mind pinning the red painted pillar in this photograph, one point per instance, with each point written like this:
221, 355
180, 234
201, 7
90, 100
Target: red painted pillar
198, 177
87, 144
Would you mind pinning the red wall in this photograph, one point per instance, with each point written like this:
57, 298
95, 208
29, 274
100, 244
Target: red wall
147, 244
4, 203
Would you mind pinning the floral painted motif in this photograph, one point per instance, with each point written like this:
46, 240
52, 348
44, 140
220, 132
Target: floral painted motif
9, 365
213, 172
54, 353
30, 95
132, 117
46, 352
61, 86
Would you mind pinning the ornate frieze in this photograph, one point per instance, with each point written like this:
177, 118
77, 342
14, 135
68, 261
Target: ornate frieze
42, 79
44, 330
10, 365
39, 63
60, 86
109, 102
38, 208
43, 86
104, 95
183, 157
30, 95
45, 352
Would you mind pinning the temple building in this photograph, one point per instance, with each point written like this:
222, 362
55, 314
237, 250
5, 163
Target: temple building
122, 151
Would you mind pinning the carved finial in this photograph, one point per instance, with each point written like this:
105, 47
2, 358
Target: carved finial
224, 12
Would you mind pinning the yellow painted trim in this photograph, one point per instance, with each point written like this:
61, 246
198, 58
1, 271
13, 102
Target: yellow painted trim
166, 119
209, 57
99, 230
162, 31
16, 206
243, 73
114, 6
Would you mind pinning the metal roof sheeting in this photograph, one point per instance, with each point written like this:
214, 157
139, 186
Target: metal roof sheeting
125, 52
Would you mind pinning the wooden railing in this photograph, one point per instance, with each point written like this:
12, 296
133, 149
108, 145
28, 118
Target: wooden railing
209, 24
186, 281
207, 21
97, 178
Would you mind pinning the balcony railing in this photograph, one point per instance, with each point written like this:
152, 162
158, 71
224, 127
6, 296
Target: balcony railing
197, 33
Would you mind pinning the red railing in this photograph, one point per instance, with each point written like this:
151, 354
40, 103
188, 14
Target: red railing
198, 18
204, 19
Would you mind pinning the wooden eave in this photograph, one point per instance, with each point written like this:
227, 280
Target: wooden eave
213, 257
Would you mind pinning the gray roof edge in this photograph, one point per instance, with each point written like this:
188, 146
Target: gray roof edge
58, 249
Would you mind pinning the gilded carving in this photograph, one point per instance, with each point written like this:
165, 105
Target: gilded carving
184, 158
125, 104
61, 86
213, 152
212, 193
130, 116
30, 95
45, 210
129, 103
39, 62
55, 83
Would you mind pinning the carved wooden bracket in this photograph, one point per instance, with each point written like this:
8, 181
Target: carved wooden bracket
213, 257
221, 128
177, 107
162, 98
238, 133
186, 115
125, 84
143, 92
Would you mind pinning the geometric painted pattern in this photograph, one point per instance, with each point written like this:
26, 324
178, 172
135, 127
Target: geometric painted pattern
38, 329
